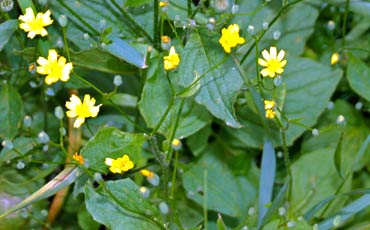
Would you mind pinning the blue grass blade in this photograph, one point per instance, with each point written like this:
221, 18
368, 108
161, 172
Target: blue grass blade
266, 184
347, 212
62, 180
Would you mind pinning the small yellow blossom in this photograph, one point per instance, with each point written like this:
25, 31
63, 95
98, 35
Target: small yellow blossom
172, 60
163, 3
54, 68
269, 108
334, 59
230, 37
79, 158
119, 165
35, 25
176, 144
273, 62
166, 39
81, 110
147, 173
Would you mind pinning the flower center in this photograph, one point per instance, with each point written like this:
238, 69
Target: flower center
273, 65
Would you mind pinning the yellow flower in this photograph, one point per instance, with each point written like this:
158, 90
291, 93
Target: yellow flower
273, 62
81, 110
119, 165
172, 60
79, 158
230, 37
166, 39
54, 68
147, 173
176, 144
334, 58
269, 108
163, 3
35, 25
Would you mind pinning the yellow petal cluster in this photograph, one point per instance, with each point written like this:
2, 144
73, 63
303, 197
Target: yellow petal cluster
81, 110
269, 109
172, 60
230, 37
147, 173
54, 68
334, 59
273, 62
119, 165
79, 158
35, 25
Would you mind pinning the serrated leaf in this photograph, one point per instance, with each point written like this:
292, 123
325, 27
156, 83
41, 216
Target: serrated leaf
11, 111
113, 143
133, 211
220, 81
7, 29
358, 76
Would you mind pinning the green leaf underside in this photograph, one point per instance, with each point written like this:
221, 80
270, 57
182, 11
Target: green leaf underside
11, 111
220, 81
111, 143
115, 217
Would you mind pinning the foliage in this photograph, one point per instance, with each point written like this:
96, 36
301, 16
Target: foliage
180, 90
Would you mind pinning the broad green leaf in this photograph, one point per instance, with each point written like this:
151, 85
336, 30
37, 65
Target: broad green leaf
85, 220
155, 99
220, 223
358, 76
276, 204
112, 143
224, 190
314, 178
100, 60
122, 50
62, 180
7, 29
11, 111
123, 99
127, 208
309, 86
220, 81
22, 146
267, 178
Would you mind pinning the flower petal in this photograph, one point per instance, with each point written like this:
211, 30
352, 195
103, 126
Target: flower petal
266, 55
281, 55
273, 52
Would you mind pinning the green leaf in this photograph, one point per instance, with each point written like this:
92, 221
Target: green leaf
276, 204
22, 146
122, 50
122, 206
11, 111
309, 86
62, 180
100, 60
220, 223
220, 81
7, 29
224, 190
85, 220
267, 178
136, 3
155, 99
23, 4
338, 158
113, 143
358, 76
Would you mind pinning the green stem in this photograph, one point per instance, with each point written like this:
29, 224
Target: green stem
205, 199
175, 125
66, 43
156, 29
345, 18
287, 164
189, 9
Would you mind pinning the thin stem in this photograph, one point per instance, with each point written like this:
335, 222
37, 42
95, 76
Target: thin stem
66, 43
345, 18
264, 31
156, 29
189, 9
287, 164
169, 155
205, 199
